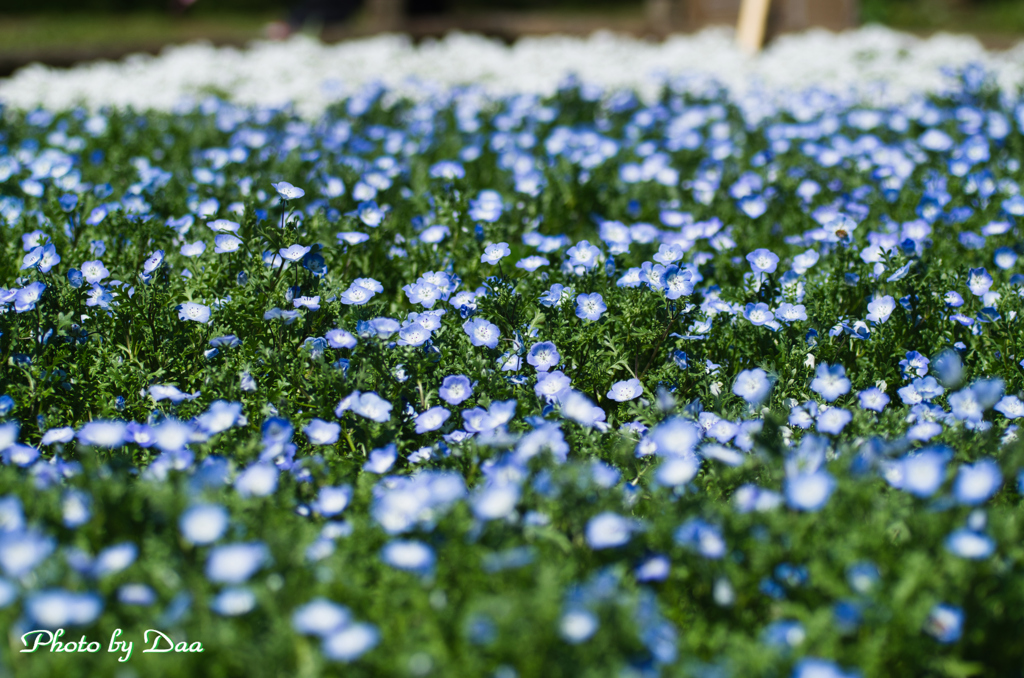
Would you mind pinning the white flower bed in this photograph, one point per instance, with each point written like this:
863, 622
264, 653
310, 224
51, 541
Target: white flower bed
312, 75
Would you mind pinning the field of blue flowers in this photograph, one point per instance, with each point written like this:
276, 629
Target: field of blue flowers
579, 385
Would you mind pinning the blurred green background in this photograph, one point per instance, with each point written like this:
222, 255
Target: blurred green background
64, 31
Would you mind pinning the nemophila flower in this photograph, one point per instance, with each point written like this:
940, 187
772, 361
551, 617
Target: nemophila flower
702, 537
294, 253
494, 253
234, 601
192, 311
495, 501
834, 420
677, 470
763, 261
482, 332
203, 523
873, 399
577, 626
590, 306
455, 389
136, 594
114, 559
830, 382
57, 608
352, 238
552, 386
881, 308
356, 295
308, 303
1010, 407
677, 282
409, 555
804, 261
287, 191
338, 338
543, 356
945, 623
921, 473
94, 271
758, 314
977, 483
193, 249
487, 207
791, 313
979, 281
752, 385
582, 410
608, 530
100, 433
226, 243
623, 391
26, 298
235, 563
350, 642
809, 491
1004, 258
432, 419
914, 362
331, 501
583, 254
969, 544
322, 432
368, 405
22, 550
320, 617
381, 460
532, 263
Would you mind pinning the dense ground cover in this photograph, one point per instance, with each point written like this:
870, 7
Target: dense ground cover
573, 384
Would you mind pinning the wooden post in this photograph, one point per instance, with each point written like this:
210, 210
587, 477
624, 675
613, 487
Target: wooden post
659, 16
750, 27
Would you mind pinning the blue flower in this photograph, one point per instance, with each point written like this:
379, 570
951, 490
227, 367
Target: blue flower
322, 432
233, 601
294, 252
320, 617
608, 530
763, 260
758, 314
196, 312
482, 333
752, 385
409, 555
203, 523
970, 544
235, 563
809, 491
979, 281
26, 298
350, 642
287, 191
583, 254
487, 207
945, 623
590, 306
702, 537
976, 483
834, 420
830, 382
578, 625
623, 391
790, 313
55, 608
356, 295
432, 419
880, 309
552, 386
543, 356
332, 500
495, 253
873, 399
677, 282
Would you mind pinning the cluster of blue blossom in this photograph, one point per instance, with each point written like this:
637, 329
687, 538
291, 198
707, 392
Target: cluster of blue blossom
775, 311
